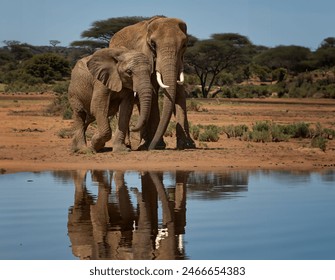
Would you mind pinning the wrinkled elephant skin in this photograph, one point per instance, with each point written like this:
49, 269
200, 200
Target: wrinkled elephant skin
102, 85
164, 41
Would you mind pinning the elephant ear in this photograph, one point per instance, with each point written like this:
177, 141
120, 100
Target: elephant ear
103, 66
183, 27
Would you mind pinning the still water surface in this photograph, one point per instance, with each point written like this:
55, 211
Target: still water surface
171, 215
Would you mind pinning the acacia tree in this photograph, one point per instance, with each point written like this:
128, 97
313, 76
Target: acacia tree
47, 66
19, 51
324, 56
328, 42
208, 58
54, 43
101, 31
292, 58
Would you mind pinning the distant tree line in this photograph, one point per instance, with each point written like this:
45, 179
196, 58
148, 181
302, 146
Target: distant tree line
214, 66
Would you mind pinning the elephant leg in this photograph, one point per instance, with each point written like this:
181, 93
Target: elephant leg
79, 139
103, 134
100, 108
125, 110
184, 140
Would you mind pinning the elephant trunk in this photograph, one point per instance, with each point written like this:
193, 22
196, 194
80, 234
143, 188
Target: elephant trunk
145, 106
169, 79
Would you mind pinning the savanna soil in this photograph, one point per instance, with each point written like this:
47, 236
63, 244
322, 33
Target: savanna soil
31, 140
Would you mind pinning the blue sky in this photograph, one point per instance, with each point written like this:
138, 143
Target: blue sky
264, 22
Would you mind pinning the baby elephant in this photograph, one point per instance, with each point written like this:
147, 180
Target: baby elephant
102, 85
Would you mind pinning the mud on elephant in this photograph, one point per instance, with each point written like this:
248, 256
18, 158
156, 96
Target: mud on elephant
102, 85
164, 41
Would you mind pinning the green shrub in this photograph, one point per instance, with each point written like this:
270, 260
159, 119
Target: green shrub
278, 134
20, 76
67, 113
47, 66
225, 79
61, 87
301, 130
319, 131
193, 105
246, 91
297, 130
329, 133
266, 131
21, 86
329, 91
195, 131
65, 133
261, 126
60, 106
260, 136
210, 134
235, 130
319, 142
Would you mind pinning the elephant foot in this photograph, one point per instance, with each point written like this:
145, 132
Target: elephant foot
78, 145
99, 140
77, 149
84, 151
183, 144
96, 148
121, 148
97, 144
145, 146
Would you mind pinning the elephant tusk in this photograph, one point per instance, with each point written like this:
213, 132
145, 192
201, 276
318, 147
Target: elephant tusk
135, 93
181, 79
159, 80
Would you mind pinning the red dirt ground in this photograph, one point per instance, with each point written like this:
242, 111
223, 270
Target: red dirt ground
30, 141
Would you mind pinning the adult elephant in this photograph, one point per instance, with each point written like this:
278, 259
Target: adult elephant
102, 85
164, 41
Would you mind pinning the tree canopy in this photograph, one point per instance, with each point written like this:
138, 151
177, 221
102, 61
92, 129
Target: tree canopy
292, 58
101, 31
328, 42
223, 60
208, 58
48, 67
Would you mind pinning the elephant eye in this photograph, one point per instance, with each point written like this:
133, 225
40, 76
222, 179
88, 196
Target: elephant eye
153, 45
129, 72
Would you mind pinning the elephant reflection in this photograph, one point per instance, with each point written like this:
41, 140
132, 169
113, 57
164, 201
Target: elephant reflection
111, 227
